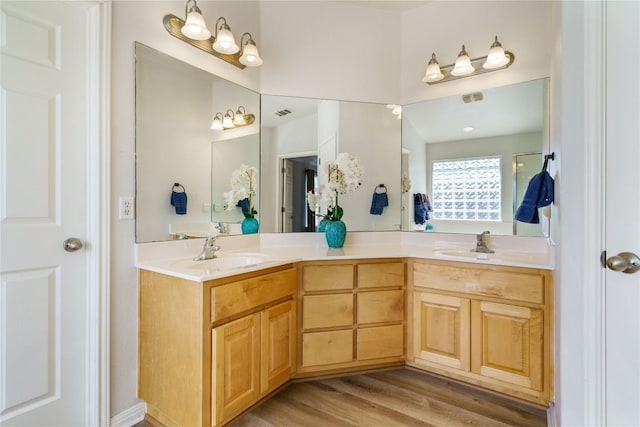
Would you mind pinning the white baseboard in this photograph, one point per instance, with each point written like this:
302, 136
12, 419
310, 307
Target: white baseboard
131, 416
552, 416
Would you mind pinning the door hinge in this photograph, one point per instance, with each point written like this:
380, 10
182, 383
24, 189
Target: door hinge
282, 210
283, 170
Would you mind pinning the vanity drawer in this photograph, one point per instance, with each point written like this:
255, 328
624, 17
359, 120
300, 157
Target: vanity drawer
237, 297
327, 311
327, 277
510, 285
380, 341
380, 275
380, 306
327, 348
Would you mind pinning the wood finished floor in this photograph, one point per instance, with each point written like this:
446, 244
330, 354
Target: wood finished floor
399, 397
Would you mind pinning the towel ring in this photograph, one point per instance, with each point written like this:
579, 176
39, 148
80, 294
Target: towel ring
179, 186
381, 186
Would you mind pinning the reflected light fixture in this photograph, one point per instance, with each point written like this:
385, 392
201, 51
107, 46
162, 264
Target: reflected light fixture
221, 44
396, 110
217, 122
232, 120
468, 129
496, 59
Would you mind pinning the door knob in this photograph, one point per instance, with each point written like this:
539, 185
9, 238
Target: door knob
627, 262
72, 244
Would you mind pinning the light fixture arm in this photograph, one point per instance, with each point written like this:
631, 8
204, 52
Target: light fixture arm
194, 8
224, 25
243, 43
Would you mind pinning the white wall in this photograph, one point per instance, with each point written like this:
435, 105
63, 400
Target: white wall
361, 127
173, 143
314, 49
142, 21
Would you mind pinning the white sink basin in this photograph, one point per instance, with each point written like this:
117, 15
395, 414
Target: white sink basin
507, 257
225, 261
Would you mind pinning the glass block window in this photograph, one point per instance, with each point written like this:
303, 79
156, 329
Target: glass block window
466, 189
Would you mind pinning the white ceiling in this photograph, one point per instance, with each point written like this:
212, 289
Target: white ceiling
503, 111
392, 5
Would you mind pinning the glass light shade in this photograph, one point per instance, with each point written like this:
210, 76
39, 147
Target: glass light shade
195, 27
227, 122
496, 57
433, 72
217, 124
238, 119
225, 43
463, 65
397, 110
250, 56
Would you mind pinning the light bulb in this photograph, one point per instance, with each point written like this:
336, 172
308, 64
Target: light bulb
463, 65
217, 123
194, 26
496, 57
225, 43
227, 122
433, 72
250, 56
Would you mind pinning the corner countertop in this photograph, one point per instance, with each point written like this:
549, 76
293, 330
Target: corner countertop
240, 254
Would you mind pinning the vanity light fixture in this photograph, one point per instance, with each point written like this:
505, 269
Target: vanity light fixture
396, 110
221, 44
496, 59
232, 120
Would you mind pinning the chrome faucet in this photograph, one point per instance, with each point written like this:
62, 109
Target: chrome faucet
481, 244
209, 249
222, 228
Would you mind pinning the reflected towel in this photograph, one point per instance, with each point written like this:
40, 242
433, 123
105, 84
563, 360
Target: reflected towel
378, 202
422, 207
244, 205
538, 195
179, 201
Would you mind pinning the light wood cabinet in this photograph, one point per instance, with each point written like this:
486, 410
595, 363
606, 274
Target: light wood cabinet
487, 325
353, 315
209, 351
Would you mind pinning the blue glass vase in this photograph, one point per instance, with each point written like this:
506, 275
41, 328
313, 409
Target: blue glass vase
335, 233
250, 226
322, 225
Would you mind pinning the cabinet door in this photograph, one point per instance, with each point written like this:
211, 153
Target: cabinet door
235, 366
277, 350
507, 343
441, 329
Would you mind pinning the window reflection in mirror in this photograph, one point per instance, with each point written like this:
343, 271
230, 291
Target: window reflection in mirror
175, 106
447, 144
299, 135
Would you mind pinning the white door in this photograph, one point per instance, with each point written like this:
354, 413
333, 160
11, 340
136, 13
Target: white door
44, 347
622, 291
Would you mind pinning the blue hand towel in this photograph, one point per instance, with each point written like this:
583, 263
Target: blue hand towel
179, 201
378, 203
422, 207
244, 205
539, 194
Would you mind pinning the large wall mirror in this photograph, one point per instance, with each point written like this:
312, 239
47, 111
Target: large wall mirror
300, 135
175, 106
473, 156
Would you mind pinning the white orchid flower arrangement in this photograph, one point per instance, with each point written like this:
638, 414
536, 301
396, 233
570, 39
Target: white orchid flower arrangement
244, 182
344, 176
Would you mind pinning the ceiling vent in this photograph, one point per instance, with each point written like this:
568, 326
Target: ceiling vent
472, 97
283, 112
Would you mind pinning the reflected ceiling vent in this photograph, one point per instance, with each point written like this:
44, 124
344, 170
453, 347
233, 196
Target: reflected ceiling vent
472, 97
283, 112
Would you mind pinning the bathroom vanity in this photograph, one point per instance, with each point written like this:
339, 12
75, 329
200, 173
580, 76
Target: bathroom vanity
215, 341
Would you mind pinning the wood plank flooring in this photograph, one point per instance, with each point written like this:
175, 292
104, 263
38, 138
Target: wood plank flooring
399, 397
392, 398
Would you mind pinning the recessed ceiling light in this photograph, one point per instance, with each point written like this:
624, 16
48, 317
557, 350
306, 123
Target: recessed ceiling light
468, 128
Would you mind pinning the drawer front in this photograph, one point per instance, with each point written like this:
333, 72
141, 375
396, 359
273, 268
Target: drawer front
237, 297
327, 277
327, 311
380, 306
326, 348
381, 341
499, 284
380, 275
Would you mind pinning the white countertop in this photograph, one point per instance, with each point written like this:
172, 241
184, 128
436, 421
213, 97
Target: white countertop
240, 254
